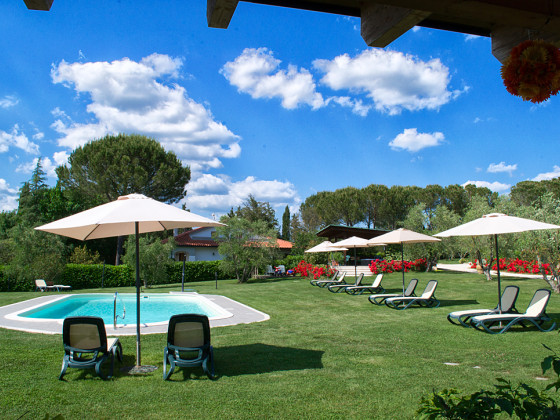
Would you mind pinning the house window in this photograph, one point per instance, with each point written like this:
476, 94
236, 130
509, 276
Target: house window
181, 256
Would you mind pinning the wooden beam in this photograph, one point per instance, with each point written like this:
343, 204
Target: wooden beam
39, 4
382, 24
220, 12
505, 38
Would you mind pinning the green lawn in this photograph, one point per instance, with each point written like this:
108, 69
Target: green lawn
321, 355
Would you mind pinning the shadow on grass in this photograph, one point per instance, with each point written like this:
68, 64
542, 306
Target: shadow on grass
251, 359
445, 302
270, 279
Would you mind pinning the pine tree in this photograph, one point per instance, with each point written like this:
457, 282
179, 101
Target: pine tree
286, 224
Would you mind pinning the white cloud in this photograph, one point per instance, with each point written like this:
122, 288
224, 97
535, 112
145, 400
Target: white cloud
393, 80
469, 37
48, 165
548, 175
8, 196
492, 186
16, 138
219, 193
501, 167
413, 141
256, 72
5, 187
8, 101
132, 97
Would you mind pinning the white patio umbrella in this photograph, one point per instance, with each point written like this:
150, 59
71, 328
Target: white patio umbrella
352, 242
325, 246
496, 224
129, 214
401, 236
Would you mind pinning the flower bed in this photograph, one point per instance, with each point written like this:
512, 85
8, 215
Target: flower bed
382, 266
306, 269
517, 265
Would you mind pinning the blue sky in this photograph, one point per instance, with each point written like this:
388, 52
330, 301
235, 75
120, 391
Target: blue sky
281, 105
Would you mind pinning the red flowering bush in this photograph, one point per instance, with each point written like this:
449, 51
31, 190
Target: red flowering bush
517, 265
306, 269
386, 267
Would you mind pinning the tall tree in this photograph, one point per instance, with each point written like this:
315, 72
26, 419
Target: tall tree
286, 224
104, 169
31, 196
456, 199
375, 205
347, 204
254, 210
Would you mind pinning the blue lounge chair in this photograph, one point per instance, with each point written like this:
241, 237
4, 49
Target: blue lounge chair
427, 299
188, 344
379, 299
507, 305
337, 288
86, 345
375, 287
534, 315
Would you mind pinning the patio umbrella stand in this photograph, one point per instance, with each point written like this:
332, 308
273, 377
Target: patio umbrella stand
129, 214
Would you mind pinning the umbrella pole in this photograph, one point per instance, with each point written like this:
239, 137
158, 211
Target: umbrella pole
136, 229
499, 280
402, 262
355, 265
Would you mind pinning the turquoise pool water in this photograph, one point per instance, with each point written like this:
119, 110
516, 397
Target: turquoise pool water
154, 307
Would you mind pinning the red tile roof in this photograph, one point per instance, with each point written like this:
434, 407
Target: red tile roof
184, 239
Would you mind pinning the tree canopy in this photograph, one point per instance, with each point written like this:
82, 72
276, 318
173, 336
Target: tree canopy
104, 169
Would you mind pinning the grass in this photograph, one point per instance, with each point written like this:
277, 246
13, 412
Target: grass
321, 355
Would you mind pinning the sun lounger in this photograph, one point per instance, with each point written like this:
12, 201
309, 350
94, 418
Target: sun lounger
42, 286
534, 315
339, 280
507, 305
379, 299
333, 278
337, 288
373, 288
427, 299
188, 344
86, 336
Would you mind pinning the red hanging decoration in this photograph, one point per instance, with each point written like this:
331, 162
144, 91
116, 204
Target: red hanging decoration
532, 71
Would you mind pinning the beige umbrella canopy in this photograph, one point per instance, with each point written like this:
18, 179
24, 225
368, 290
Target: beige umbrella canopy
496, 224
325, 246
129, 214
401, 236
352, 242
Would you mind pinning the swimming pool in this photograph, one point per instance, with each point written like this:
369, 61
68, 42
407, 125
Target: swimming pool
154, 308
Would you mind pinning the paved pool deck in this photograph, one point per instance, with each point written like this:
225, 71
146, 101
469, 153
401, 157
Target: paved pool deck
241, 314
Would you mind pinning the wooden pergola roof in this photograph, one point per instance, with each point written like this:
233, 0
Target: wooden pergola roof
507, 22
337, 233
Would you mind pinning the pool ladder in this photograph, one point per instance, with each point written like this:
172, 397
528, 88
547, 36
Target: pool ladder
115, 316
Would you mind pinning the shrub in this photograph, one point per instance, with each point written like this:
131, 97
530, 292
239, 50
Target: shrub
195, 271
86, 276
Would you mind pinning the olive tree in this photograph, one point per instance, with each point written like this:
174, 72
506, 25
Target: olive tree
245, 245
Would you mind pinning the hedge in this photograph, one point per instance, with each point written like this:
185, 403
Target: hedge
84, 276
196, 271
